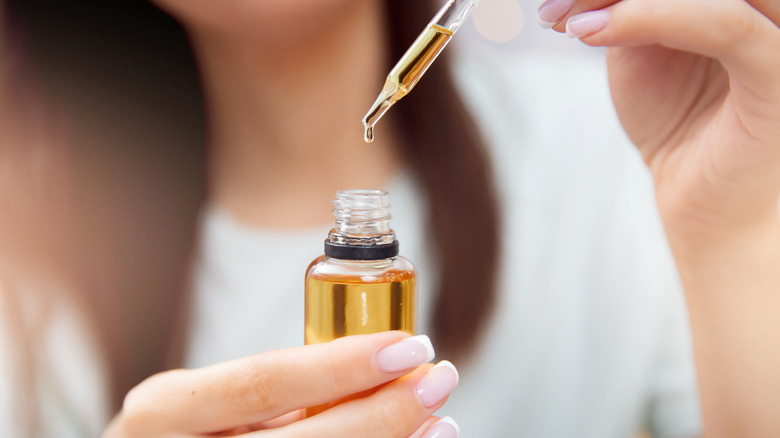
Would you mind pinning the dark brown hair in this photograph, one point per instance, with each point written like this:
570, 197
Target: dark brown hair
128, 65
121, 77
444, 147
35, 224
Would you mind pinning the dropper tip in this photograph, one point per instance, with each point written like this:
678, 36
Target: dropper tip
368, 133
386, 99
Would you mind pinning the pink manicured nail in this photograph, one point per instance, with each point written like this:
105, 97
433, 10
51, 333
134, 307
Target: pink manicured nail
587, 23
437, 383
553, 11
405, 354
444, 428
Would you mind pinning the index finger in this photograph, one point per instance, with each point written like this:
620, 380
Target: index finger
262, 387
560, 10
554, 13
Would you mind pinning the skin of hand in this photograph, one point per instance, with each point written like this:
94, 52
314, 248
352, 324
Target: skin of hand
696, 84
263, 395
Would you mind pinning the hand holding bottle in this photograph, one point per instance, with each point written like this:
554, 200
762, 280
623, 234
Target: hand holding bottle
264, 395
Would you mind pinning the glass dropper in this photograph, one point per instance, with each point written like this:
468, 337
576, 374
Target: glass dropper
415, 62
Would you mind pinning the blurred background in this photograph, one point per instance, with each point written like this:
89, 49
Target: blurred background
511, 25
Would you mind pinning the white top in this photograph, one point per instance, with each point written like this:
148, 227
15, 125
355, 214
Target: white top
590, 336
69, 378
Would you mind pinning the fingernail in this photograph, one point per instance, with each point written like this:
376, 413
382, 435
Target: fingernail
444, 428
437, 383
405, 354
587, 23
553, 11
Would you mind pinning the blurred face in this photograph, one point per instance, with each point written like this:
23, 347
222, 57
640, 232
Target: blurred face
272, 20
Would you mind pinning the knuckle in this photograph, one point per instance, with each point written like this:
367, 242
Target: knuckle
253, 387
337, 379
140, 410
395, 417
133, 427
388, 415
740, 25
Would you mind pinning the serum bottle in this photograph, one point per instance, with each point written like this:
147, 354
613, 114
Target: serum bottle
360, 285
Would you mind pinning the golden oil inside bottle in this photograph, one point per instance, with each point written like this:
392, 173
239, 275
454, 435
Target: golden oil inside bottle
341, 306
337, 306
406, 73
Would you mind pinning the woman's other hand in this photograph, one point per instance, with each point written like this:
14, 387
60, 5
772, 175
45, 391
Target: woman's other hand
696, 84
264, 395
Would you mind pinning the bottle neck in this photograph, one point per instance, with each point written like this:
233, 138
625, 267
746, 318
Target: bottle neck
362, 229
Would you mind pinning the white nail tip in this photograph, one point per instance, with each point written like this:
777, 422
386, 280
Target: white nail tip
545, 24
448, 364
425, 341
451, 422
568, 30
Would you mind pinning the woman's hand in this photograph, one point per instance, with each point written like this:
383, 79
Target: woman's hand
264, 395
696, 84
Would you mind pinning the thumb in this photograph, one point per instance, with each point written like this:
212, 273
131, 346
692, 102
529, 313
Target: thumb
732, 31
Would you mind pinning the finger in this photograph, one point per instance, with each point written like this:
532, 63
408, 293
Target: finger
553, 13
263, 387
728, 30
396, 410
438, 428
284, 420
430, 421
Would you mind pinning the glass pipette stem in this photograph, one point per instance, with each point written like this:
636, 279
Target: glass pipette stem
415, 62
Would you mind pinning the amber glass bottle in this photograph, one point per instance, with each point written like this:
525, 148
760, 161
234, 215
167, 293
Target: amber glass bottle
361, 285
